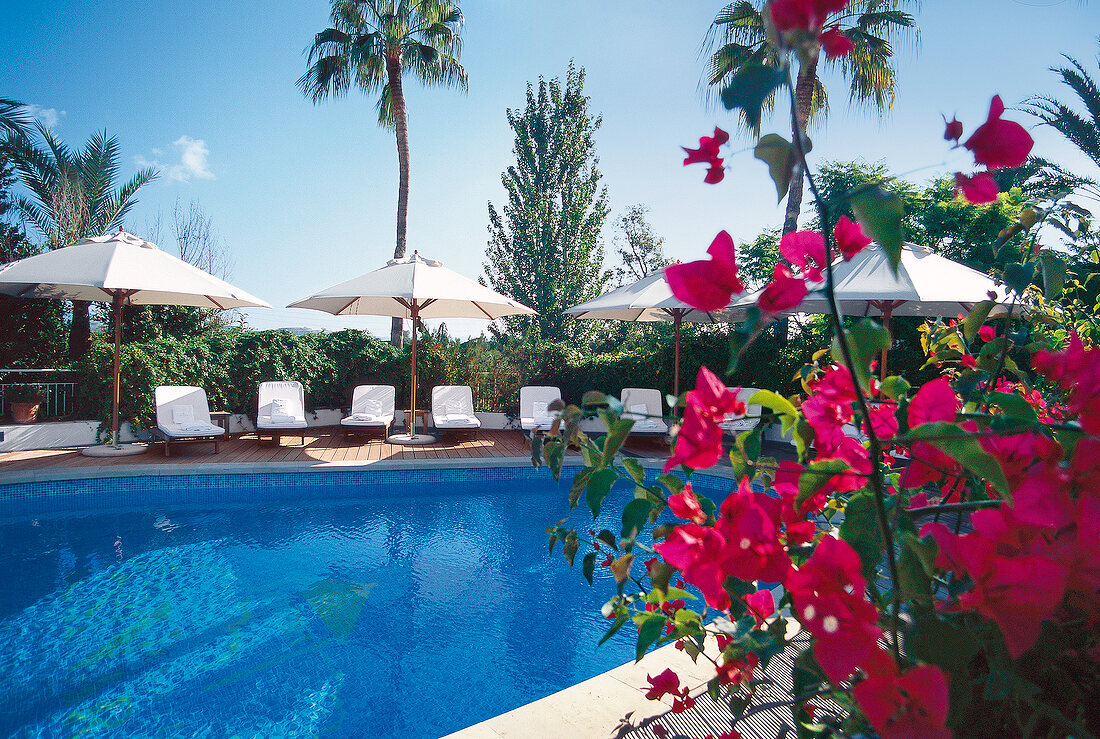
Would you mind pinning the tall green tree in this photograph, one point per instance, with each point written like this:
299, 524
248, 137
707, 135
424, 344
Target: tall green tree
72, 195
739, 38
640, 250
544, 245
372, 45
1081, 128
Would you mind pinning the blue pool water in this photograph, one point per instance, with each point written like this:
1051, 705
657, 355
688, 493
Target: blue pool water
343, 604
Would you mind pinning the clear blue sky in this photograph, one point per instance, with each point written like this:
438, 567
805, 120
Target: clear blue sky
305, 195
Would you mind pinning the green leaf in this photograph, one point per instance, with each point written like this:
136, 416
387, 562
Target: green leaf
815, 476
749, 88
749, 443
865, 340
1054, 275
1014, 405
588, 566
617, 431
648, 632
977, 316
673, 483
593, 397
635, 515
741, 468
634, 469
580, 480
963, 448
608, 538
660, 573
786, 411
895, 386
880, 214
860, 529
599, 485
614, 628
781, 157
570, 546
1018, 276
915, 568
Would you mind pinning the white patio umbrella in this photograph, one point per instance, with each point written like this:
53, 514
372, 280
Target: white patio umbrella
926, 284
413, 287
650, 299
122, 269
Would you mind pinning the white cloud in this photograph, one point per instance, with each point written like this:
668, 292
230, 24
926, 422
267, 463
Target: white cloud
48, 117
192, 163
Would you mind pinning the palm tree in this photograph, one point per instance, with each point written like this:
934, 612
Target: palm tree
371, 45
13, 117
73, 196
1082, 130
739, 38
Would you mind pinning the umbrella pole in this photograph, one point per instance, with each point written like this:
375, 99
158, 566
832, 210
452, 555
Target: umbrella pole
116, 306
677, 317
412, 408
886, 315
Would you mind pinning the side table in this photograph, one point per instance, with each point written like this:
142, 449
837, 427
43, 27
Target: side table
221, 418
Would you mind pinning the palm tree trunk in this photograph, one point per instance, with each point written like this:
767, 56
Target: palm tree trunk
803, 98
397, 94
80, 330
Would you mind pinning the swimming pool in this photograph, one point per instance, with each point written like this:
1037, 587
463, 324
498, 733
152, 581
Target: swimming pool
365, 603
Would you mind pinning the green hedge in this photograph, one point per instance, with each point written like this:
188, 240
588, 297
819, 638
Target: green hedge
230, 365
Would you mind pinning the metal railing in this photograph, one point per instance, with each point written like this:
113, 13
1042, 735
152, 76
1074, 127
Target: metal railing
58, 392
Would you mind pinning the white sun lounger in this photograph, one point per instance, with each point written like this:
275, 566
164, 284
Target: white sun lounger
738, 424
534, 403
372, 407
281, 407
183, 416
645, 408
453, 408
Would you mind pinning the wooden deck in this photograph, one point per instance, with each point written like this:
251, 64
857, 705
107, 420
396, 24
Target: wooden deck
321, 445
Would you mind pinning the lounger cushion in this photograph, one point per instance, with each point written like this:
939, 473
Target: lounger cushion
183, 414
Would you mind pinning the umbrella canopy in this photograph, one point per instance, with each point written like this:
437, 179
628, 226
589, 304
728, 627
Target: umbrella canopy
413, 287
122, 269
394, 290
649, 299
926, 284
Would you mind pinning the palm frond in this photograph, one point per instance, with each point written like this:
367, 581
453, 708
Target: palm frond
1082, 130
116, 206
14, 118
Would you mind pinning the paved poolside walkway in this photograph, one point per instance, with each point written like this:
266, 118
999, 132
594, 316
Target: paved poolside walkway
321, 446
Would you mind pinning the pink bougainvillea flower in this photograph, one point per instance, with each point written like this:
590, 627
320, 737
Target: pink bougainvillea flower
665, 683
968, 361
850, 238
685, 504
707, 153
784, 292
987, 333
737, 671
707, 285
953, 129
836, 43
828, 593
935, 401
761, 604
709, 148
750, 524
901, 706
1077, 370
978, 188
805, 15
698, 443
883, 420
713, 399
997, 142
697, 552
800, 248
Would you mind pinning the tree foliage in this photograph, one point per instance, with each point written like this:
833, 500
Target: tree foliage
544, 248
640, 250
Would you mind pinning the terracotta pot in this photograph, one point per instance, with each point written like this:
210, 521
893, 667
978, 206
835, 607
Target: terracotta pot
24, 412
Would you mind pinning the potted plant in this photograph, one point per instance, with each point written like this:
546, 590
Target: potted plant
25, 400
